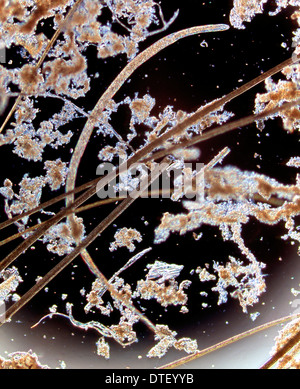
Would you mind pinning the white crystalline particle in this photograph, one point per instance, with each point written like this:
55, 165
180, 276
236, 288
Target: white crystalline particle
254, 315
162, 271
53, 309
295, 292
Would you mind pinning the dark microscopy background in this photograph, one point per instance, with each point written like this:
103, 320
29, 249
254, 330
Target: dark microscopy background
186, 75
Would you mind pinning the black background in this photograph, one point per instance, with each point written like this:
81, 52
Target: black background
186, 76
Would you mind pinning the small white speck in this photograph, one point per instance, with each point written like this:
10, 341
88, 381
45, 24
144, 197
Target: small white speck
254, 315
